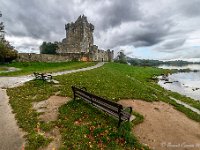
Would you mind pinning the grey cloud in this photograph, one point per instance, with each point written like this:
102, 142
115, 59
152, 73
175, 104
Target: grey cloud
173, 44
189, 8
117, 12
163, 30
148, 33
42, 19
36, 19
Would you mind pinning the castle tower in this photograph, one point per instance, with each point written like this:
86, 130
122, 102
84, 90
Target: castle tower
79, 37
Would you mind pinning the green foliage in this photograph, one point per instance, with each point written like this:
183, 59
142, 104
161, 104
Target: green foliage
7, 53
48, 48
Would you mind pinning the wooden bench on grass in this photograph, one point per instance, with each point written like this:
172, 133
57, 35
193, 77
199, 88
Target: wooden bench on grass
114, 109
42, 76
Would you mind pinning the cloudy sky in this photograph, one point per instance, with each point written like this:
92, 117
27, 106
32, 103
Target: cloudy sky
150, 29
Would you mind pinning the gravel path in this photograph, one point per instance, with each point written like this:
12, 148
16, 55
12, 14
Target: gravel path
11, 137
7, 82
10, 134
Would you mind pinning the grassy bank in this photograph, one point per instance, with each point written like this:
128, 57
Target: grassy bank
112, 81
119, 81
3, 69
30, 67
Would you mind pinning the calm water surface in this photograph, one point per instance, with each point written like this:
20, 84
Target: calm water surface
187, 83
191, 67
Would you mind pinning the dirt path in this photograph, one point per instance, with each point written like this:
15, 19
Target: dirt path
7, 82
49, 108
10, 134
165, 128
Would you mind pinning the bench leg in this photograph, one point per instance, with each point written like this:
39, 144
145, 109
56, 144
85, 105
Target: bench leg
120, 120
74, 96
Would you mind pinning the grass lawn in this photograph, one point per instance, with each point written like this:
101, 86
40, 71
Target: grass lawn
87, 128
3, 69
30, 67
113, 81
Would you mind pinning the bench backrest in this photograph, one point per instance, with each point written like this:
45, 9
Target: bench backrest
96, 100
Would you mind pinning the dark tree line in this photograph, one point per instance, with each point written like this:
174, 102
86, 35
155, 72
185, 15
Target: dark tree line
122, 58
48, 48
148, 62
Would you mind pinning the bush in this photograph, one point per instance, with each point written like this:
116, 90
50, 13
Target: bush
48, 48
7, 53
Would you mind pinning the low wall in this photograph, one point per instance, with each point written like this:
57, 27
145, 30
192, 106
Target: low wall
26, 57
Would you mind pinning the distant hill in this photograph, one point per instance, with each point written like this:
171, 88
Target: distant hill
149, 62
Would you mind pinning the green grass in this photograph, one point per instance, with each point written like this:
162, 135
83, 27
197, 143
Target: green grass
21, 99
30, 67
119, 81
3, 69
84, 127
112, 81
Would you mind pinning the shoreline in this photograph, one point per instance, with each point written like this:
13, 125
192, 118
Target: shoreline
184, 83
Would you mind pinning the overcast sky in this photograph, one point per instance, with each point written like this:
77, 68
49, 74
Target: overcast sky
151, 29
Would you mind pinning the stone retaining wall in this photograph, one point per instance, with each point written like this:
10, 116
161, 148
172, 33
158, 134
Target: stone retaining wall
27, 57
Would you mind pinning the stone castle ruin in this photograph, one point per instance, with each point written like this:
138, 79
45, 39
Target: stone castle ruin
78, 45
79, 40
79, 37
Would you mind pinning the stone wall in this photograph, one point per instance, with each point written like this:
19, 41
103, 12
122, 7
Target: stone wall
100, 55
95, 55
27, 57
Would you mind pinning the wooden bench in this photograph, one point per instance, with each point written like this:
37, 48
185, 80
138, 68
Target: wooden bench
43, 76
114, 109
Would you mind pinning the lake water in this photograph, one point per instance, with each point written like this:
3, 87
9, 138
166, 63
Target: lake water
191, 67
187, 83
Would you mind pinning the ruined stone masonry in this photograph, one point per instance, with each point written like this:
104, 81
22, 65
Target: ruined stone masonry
79, 39
78, 45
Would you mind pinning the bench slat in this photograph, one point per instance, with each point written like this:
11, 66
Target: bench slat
97, 97
97, 101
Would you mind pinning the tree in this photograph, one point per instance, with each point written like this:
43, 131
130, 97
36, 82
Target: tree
48, 48
1, 29
7, 52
